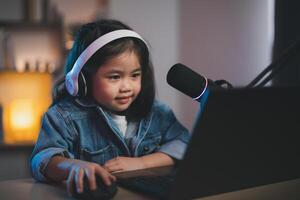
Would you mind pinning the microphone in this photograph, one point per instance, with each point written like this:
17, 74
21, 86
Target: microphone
189, 82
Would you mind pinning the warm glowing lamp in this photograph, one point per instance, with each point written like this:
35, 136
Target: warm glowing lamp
24, 98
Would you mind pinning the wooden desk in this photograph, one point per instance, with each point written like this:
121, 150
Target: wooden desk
28, 189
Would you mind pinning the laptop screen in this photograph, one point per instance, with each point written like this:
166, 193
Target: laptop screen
243, 138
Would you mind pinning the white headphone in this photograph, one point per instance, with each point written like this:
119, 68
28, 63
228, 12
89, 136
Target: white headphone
71, 80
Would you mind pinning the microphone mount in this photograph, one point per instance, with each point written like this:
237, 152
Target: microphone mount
276, 66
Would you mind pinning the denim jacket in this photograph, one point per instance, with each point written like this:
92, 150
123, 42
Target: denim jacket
82, 130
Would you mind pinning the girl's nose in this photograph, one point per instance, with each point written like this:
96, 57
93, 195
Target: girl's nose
125, 86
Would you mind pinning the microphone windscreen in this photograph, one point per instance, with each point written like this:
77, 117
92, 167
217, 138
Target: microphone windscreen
186, 80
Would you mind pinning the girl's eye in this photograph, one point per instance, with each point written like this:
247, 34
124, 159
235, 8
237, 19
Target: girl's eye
114, 77
136, 75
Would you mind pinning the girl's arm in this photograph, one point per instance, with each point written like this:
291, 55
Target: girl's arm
60, 168
119, 164
157, 159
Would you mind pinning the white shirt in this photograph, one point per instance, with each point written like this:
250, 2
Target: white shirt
121, 123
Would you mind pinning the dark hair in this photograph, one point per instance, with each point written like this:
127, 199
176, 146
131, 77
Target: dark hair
90, 32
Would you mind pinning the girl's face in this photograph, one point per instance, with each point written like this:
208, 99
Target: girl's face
117, 83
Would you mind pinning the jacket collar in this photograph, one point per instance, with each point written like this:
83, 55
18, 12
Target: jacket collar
85, 102
144, 124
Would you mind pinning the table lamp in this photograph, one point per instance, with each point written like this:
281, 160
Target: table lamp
24, 98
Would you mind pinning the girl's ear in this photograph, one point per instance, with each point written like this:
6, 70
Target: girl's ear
82, 85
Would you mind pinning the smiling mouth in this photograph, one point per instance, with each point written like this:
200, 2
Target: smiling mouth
123, 100
120, 98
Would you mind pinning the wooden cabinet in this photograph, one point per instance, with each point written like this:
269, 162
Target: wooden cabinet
15, 160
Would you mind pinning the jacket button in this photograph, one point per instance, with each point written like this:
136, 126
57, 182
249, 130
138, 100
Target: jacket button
146, 148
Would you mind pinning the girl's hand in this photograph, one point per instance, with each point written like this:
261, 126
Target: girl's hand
91, 170
119, 164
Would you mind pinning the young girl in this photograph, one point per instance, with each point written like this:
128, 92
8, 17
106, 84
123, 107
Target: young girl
105, 119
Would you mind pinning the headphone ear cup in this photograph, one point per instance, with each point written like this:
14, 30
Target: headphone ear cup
82, 86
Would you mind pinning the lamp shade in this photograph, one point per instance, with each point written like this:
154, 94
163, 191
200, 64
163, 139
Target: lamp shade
24, 98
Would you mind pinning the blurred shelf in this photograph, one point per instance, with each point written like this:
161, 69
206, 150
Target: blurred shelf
55, 33
16, 146
16, 25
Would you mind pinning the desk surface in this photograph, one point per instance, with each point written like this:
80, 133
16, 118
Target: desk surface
28, 189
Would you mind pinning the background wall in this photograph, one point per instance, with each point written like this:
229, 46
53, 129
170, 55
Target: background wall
229, 40
220, 39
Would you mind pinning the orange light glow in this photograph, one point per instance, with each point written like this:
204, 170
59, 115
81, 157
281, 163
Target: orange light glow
22, 114
24, 98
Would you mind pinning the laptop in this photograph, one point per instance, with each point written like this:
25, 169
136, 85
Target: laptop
243, 138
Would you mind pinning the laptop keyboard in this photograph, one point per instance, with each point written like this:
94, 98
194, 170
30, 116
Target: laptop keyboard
156, 186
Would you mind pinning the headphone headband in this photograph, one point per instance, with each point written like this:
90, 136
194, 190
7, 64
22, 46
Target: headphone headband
71, 80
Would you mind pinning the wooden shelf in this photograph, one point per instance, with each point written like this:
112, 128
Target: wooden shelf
53, 29
16, 146
16, 25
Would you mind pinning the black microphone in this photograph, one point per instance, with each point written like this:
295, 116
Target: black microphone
189, 82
